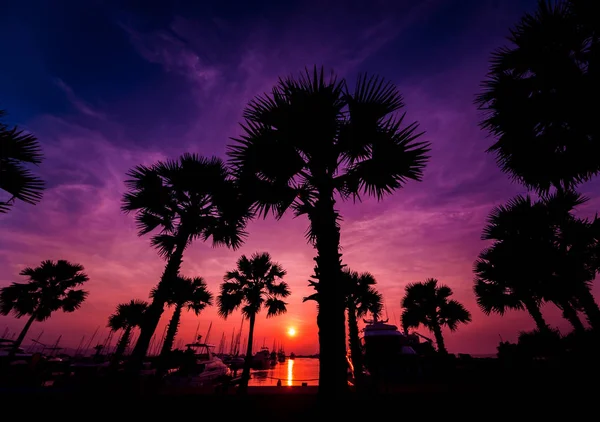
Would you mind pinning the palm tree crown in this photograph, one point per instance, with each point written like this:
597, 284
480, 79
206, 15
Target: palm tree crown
185, 199
128, 314
18, 148
256, 282
313, 132
190, 293
52, 286
537, 97
429, 304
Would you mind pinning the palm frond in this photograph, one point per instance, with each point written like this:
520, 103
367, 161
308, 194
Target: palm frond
275, 307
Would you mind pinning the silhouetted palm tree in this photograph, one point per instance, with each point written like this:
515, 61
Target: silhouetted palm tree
181, 200
537, 97
361, 298
536, 256
126, 317
310, 140
429, 304
184, 292
256, 282
18, 148
50, 287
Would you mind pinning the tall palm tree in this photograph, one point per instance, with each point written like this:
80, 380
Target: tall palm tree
181, 201
16, 149
310, 141
52, 286
429, 304
361, 298
254, 284
537, 95
126, 317
539, 253
184, 292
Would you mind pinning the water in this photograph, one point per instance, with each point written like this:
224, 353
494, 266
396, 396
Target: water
293, 372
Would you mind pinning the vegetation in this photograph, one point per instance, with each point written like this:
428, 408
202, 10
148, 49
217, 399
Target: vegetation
254, 284
18, 148
126, 317
361, 298
184, 292
429, 304
313, 140
52, 286
181, 201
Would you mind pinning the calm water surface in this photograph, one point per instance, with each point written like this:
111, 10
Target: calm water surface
291, 372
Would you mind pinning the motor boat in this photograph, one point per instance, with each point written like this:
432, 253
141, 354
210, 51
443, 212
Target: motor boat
201, 368
390, 355
262, 359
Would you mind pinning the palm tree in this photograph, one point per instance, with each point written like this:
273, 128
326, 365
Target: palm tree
361, 298
50, 287
309, 141
539, 253
428, 303
256, 282
181, 201
537, 95
126, 317
191, 293
18, 148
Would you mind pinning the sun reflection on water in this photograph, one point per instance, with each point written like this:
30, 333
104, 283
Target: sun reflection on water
290, 372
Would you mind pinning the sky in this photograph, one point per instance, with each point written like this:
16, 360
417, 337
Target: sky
107, 85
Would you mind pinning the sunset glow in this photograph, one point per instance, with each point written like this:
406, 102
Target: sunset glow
138, 86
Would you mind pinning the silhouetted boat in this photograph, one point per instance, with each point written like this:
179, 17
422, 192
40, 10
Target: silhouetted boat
292, 355
281, 355
262, 359
201, 368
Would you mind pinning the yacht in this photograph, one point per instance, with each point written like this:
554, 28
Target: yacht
262, 359
202, 368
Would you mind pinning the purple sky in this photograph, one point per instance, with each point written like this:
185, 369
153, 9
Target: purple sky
105, 88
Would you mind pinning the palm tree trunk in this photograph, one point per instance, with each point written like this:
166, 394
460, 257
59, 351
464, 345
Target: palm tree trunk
355, 349
534, 310
21, 337
156, 308
570, 314
171, 332
123, 342
590, 307
331, 317
248, 359
439, 339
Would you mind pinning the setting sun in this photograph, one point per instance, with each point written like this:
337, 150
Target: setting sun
291, 332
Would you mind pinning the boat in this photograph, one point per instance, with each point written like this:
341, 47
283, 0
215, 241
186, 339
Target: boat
390, 355
262, 359
281, 355
201, 368
292, 355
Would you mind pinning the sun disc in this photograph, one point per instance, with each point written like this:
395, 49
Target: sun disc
291, 331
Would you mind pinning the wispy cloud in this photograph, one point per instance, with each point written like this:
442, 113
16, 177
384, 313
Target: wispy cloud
77, 102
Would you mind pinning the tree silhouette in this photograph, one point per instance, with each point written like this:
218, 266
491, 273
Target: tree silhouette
181, 201
540, 252
126, 317
309, 141
537, 95
52, 286
16, 149
428, 304
184, 292
254, 284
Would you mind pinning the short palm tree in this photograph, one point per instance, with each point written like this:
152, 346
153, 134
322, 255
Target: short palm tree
310, 141
126, 317
52, 286
254, 284
429, 304
181, 201
537, 95
16, 149
184, 292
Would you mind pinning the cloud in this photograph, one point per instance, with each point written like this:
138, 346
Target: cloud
77, 102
